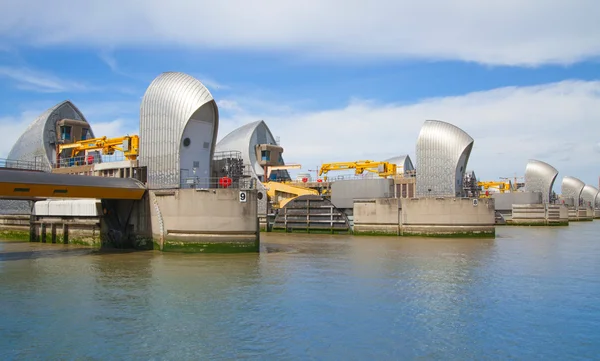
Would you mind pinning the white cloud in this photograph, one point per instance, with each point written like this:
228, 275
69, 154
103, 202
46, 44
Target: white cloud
38, 81
11, 128
115, 128
491, 32
557, 123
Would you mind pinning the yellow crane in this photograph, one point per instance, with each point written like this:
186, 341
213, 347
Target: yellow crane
502, 187
383, 169
128, 144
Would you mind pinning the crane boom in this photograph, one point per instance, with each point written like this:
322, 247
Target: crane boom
383, 169
502, 187
128, 144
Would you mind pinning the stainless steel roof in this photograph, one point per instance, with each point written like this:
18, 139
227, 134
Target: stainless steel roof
443, 152
402, 161
540, 177
589, 194
168, 104
571, 187
244, 139
38, 141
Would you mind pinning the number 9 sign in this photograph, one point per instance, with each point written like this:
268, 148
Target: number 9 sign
243, 197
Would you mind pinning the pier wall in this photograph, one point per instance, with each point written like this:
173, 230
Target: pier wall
580, 214
585, 214
434, 217
528, 214
557, 215
210, 220
449, 217
505, 201
344, 192
377, 216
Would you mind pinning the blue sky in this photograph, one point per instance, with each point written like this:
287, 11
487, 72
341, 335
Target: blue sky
336, 80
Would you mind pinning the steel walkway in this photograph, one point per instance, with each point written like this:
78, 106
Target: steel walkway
20, 184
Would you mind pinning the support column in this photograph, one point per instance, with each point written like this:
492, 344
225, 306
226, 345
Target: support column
53, 230
32, 227
32, 232
43, 231
65, 233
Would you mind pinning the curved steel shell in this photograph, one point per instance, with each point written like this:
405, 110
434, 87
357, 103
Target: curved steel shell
540, 177
403, 164
244, 139
571, 187
597, 200
589, 195
38, 142
443, 152
177, 107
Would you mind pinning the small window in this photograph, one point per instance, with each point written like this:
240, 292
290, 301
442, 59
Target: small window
206, 145
265, 155
196, 164
85, 133
186, 142
65, 132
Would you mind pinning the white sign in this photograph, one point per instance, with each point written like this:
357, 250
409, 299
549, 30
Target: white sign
243, 196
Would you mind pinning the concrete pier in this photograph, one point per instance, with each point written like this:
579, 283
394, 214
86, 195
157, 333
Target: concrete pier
210, 220
431, 217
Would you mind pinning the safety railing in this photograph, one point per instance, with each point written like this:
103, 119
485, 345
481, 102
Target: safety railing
228, 154
218, 183
88, 160
22, 164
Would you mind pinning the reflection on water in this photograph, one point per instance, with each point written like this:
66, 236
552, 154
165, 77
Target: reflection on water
532, 293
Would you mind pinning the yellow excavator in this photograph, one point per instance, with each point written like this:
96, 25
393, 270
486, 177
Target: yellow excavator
128, 144
383, 169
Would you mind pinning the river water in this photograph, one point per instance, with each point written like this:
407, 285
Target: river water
531, 293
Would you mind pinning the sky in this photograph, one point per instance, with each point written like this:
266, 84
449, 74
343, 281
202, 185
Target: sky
335, 80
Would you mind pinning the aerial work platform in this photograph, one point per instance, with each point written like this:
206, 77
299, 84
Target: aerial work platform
19, 184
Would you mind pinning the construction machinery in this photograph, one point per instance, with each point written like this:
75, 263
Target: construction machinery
282, 193
383, 169
495, 187
128, 144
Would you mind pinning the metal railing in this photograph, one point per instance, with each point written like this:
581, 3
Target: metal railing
218, 183
22, 164
88, 160
228, 154
341, 177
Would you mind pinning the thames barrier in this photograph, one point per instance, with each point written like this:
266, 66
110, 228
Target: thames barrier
173, 187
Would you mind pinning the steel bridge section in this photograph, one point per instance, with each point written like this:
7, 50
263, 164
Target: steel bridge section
24, 185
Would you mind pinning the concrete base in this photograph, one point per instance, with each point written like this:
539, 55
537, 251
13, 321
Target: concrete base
580, 214
210, 244
377, 229
449, 231
379, 216
430, 217
210, 220
538, 215
448, 217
